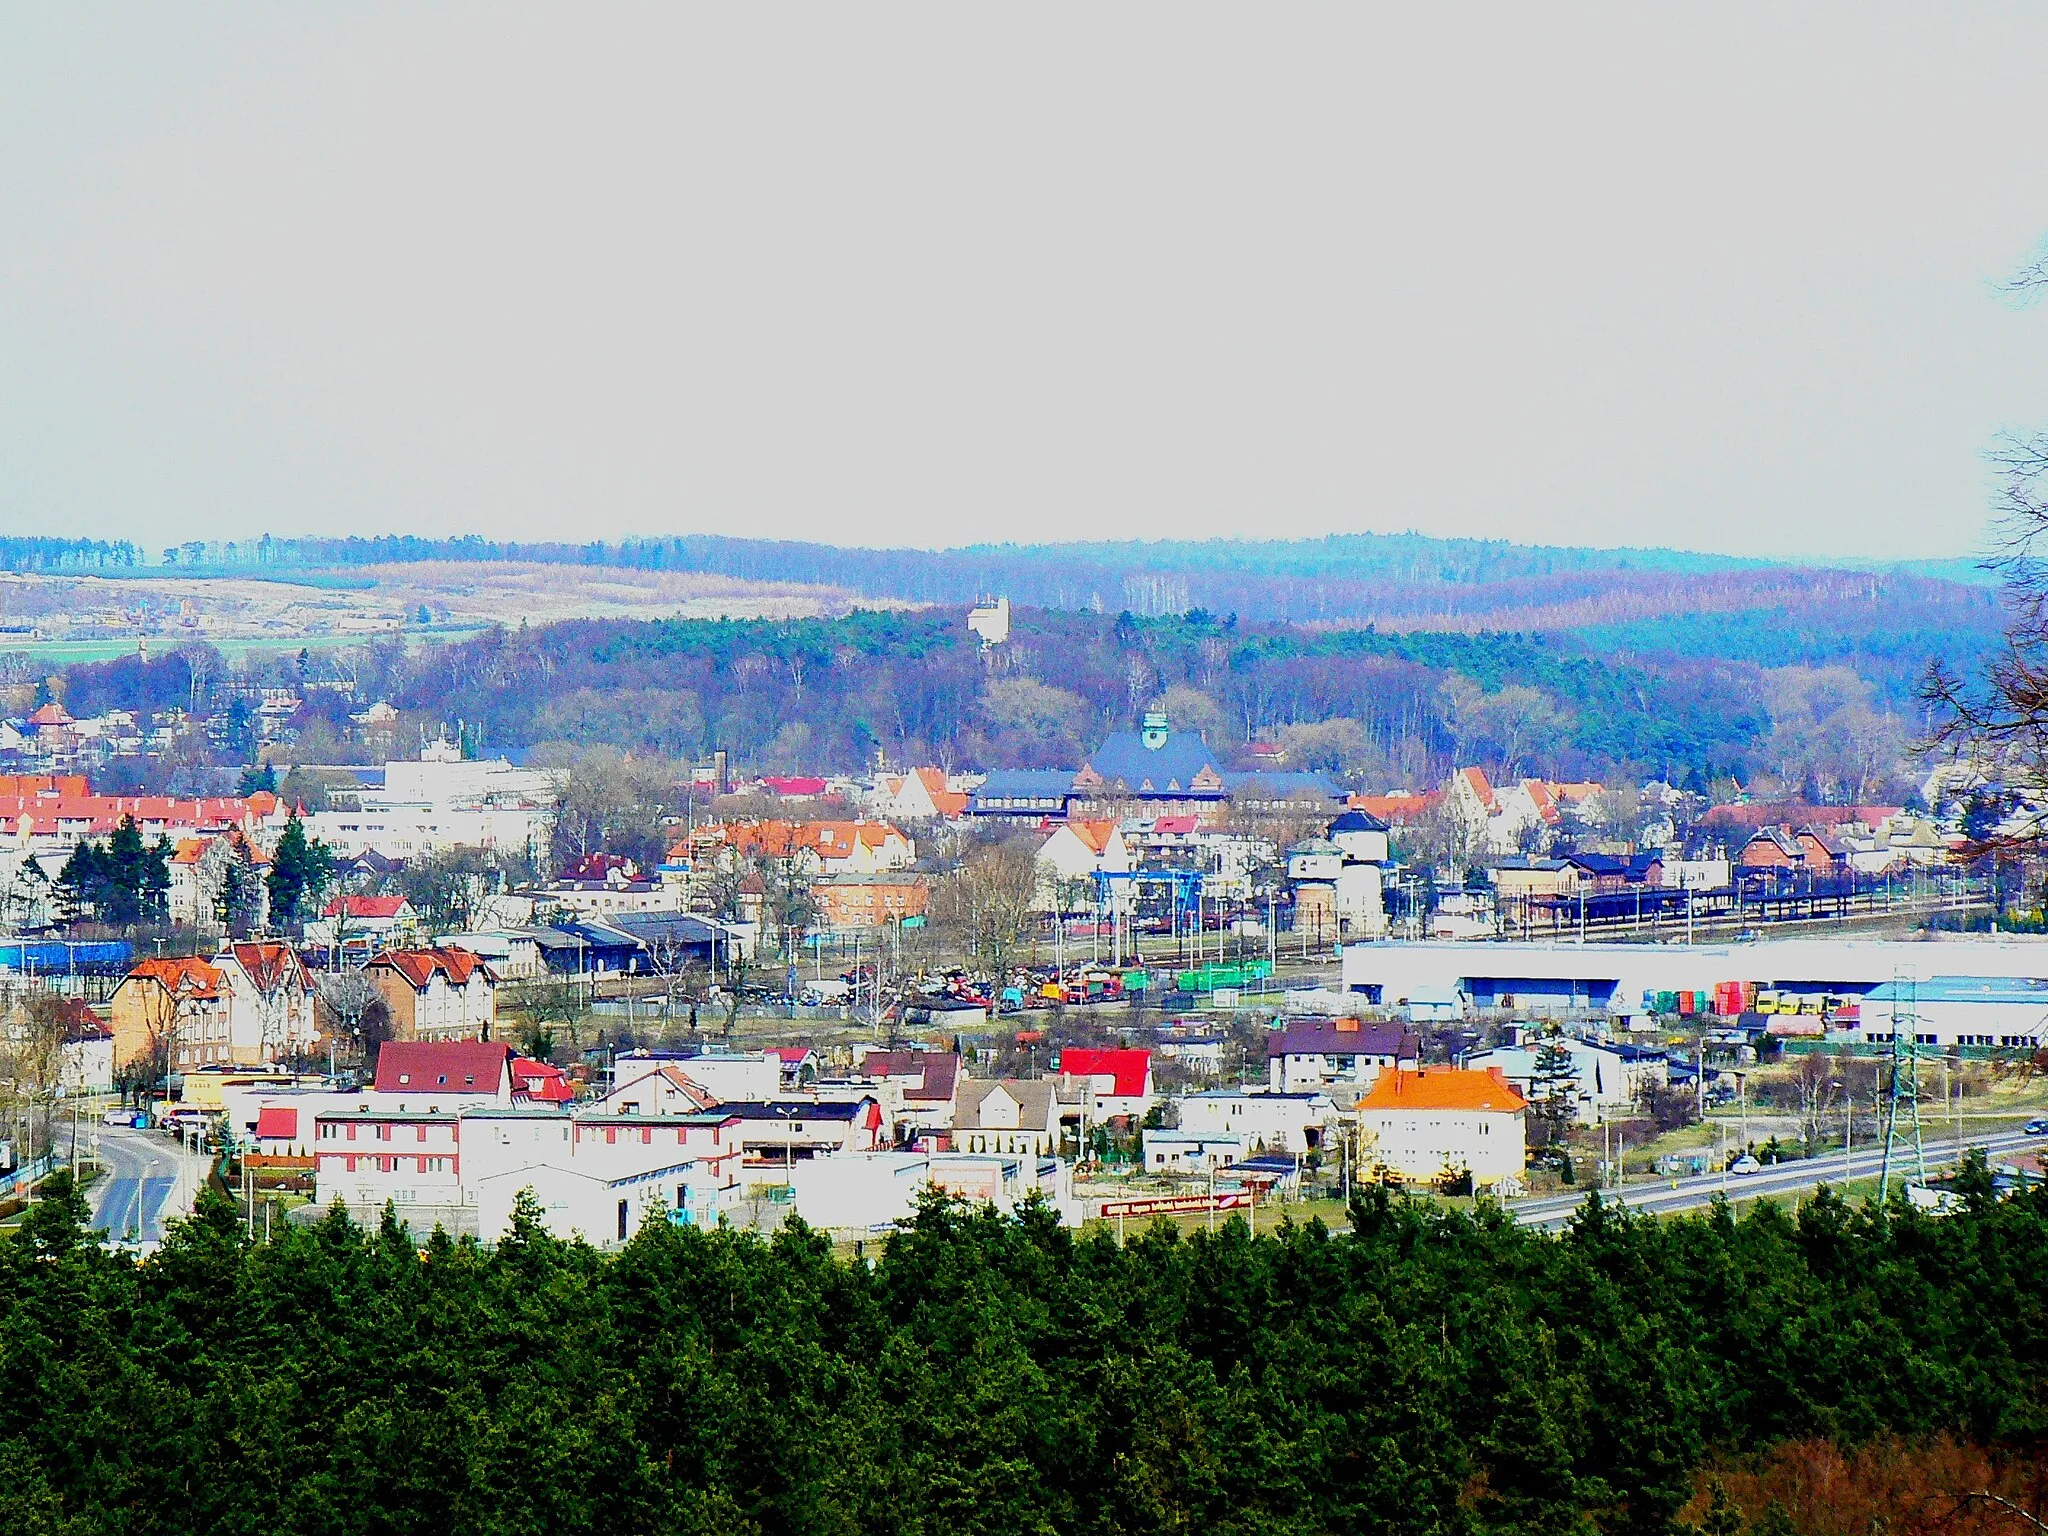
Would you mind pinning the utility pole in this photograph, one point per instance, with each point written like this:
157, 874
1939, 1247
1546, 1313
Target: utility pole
1905, 1085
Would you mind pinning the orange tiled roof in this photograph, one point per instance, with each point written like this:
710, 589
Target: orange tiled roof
271, 964
829, 839
418, 966
184, 975
1476, 780
1443, 1088
1397, 808
1094, 835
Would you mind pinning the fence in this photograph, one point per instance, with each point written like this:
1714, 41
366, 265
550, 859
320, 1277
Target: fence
28, 1174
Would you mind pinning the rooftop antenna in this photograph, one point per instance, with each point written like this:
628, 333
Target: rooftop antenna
1905, 1088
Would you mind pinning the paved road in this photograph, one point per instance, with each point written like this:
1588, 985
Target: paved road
1551, 1211
149, 1179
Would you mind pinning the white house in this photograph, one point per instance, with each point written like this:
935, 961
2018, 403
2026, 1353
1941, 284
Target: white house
725, 1075
1293, 1122
1070, 858
605, 1212
1419, 1126
922, 794
1012, 1115
1605, 1080
1193, 1151
665, 1090
1313, 1053
1121, 1078
87, 1059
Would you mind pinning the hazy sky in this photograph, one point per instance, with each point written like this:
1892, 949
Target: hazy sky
1708, 276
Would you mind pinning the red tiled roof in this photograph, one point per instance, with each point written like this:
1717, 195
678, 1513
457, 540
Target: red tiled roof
1131, 1068
541, 1081
270, 965
451, 1066
372, 907
1755, 814
831, 839
63, 805
418, 966
277, 1121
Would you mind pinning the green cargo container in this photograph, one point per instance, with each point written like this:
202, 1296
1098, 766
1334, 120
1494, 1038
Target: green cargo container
1230, 976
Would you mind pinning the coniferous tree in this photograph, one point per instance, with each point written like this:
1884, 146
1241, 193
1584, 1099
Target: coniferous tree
301, 869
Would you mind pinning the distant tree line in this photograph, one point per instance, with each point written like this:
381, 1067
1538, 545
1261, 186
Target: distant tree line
1411, 578
1427, 1371
44, 554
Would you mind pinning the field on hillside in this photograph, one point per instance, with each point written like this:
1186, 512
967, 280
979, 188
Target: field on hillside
93, 617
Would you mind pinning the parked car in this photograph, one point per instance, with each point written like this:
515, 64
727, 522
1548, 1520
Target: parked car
1745, 1164
118, 1117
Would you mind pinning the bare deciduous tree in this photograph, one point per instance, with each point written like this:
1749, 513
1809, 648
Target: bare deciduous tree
1997, 724
989, 903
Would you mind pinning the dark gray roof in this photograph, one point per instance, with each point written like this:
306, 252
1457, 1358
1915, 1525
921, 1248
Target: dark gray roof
1357, 821
1322, 1037
1124, 758
653, 926
786, 1110
1053, 784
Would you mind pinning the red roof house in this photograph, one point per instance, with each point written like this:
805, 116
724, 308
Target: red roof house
1122, 1077
468, 1068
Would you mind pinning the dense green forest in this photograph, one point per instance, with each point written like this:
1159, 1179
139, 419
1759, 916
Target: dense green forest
1429, 1371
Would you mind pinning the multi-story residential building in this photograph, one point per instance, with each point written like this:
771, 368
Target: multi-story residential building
442, 993
1435, 1122
1310, 1054
441, 801
250, 1005
870, 901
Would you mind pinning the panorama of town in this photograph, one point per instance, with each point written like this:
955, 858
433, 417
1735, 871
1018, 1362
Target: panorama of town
1147, 985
